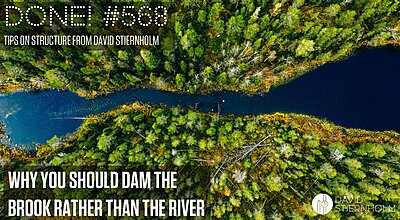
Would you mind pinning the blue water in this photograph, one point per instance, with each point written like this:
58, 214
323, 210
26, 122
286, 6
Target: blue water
360, 92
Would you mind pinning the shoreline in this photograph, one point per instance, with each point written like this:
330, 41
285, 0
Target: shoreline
263, 88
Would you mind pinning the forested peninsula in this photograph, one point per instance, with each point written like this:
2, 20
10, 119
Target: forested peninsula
247, 46
252, 167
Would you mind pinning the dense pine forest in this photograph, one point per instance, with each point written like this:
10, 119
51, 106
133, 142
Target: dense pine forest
244, 46
251, 167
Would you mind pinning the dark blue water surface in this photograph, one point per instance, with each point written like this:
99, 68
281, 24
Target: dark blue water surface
360, 92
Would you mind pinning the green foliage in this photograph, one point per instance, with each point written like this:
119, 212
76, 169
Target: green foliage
180, 80
202, 16
149, 59
258, 160
104, 141
305, 47
291, 18
346, 18
55, 79
332, 10
251, 46
251, 31
371, 150
209, 72
235, 26
189, 39
54, 141
123, 55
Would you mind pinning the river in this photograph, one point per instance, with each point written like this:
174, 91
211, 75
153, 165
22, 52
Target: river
359, 92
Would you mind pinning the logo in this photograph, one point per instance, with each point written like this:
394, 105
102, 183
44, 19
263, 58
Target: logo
322, 204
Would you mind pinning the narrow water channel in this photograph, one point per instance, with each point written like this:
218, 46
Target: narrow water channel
362, 91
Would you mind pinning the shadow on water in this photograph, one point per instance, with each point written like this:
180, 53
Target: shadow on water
360, 92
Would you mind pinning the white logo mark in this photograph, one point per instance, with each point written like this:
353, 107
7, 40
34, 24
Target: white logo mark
322, 204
